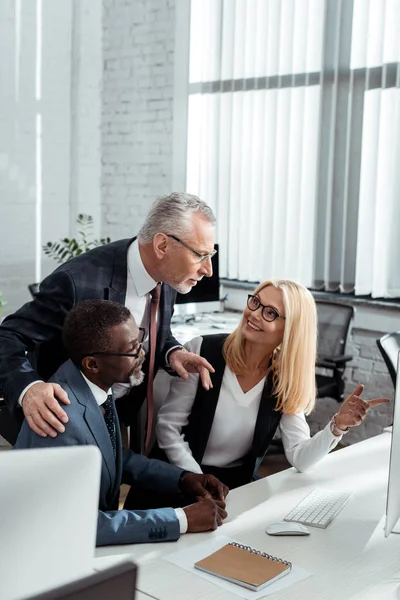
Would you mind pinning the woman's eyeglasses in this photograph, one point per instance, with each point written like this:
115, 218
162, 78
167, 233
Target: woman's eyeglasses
268, 313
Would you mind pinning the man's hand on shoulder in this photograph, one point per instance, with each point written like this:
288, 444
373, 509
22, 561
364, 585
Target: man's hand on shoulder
42, 410
205, 515
203, 486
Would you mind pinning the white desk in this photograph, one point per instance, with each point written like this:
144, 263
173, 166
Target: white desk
143, 596
349, 558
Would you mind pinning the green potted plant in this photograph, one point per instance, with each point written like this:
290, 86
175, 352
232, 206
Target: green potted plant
68, 248
2, 303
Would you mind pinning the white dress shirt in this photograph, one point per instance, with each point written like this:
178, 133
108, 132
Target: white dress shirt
233, 426
138, 287
100, 397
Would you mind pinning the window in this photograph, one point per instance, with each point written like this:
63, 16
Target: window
293, 136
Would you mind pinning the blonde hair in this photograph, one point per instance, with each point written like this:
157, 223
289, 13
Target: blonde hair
293, 361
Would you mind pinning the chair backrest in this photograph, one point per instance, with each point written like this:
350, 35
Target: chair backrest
333, 327
389, 346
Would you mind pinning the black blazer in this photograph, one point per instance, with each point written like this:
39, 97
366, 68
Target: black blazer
35, 329
201, 418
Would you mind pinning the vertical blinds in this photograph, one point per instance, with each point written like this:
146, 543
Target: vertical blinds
293, 138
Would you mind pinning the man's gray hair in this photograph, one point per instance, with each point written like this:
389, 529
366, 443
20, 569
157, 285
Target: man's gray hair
172, 215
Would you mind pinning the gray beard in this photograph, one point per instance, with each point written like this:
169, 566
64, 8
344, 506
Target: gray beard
135, 380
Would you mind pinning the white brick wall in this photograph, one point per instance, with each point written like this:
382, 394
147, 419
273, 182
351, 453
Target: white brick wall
138, 38
67, 100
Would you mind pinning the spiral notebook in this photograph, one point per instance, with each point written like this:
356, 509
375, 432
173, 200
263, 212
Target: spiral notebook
245, 566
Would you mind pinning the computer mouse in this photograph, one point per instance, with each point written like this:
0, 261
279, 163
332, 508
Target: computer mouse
287, 528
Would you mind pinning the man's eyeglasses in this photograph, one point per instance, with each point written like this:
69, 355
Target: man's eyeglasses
201, 257
268, 313
141, 336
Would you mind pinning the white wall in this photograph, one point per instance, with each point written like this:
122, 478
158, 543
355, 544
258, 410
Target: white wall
50, 74
138, 37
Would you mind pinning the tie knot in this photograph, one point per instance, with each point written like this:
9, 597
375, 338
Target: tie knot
108, 403
155, 292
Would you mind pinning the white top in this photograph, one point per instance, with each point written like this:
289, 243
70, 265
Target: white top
232, 430
233, 426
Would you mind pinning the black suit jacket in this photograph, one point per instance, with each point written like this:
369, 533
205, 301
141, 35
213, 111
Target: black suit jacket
30, 340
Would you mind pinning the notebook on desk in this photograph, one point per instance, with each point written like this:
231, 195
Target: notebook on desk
244, 566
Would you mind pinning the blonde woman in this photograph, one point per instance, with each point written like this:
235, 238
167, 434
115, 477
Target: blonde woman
264, 379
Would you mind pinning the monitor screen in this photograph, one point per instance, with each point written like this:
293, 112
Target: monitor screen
393, 491
203, 297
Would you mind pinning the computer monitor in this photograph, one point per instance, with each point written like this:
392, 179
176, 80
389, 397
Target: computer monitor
204, 296
116, 583
393, 489
48, 517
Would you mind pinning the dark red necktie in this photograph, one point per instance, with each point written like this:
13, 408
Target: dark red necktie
155, 300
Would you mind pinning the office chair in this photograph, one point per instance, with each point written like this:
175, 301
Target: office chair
333, 327
389, 346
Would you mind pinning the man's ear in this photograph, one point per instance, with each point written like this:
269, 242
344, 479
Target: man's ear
160, 245
90, 364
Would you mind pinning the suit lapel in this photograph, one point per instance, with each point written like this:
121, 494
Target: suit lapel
93, 418
265, 419
117, 289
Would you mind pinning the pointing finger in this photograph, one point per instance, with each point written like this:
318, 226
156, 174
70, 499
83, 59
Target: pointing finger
377, 402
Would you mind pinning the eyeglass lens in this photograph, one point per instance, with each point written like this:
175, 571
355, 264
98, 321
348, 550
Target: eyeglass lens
267, 313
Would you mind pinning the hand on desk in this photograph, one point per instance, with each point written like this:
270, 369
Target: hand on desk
42, 410
205, 515
204, 486
354, 409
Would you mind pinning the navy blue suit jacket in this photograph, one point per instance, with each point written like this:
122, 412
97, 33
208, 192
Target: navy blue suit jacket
86, 426
36, 327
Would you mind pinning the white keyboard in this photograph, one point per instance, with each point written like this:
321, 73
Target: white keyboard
318, 508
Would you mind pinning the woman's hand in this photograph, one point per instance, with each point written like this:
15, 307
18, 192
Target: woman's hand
354, 409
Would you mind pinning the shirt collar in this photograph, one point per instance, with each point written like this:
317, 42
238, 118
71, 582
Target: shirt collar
99, 394
142, 281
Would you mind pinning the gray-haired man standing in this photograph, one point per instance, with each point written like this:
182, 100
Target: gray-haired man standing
173, 248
